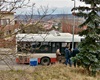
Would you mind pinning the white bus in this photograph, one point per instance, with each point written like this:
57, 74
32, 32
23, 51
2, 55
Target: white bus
42, 46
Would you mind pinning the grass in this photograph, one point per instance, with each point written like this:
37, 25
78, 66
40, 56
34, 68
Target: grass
51, 72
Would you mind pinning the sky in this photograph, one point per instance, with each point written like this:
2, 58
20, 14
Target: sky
60, 6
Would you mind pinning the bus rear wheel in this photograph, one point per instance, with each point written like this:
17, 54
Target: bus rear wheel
45, 61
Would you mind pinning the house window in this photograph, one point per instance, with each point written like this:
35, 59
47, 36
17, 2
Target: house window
4, 22
8, 32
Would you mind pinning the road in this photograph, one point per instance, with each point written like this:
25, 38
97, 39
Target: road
7, 62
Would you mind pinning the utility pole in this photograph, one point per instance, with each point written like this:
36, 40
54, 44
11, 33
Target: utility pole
73, 27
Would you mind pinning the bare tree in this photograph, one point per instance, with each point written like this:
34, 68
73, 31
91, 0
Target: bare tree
7, 30
8, 40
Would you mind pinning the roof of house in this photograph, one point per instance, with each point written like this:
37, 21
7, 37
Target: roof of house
6, 12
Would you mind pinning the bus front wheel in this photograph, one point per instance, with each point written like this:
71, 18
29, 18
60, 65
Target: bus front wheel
45, 61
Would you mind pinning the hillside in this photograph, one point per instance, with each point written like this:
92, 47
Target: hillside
35, 17
51, 72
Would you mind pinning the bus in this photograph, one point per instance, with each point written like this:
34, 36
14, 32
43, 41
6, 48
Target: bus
42, 46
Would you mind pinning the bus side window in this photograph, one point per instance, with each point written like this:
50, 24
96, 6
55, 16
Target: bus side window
46, 47
19, 47
53, 47
35, 47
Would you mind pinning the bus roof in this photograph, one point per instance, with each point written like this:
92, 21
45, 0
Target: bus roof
60, 37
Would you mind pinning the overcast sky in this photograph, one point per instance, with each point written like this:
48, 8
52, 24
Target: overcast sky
61, 6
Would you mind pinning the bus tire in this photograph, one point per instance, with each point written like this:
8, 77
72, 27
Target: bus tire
45, 61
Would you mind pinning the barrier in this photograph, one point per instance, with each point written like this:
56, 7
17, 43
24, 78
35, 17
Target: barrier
33, 62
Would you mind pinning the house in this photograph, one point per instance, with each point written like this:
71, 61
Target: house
67, 25
6, 18
69, 29
7, 27
8, 23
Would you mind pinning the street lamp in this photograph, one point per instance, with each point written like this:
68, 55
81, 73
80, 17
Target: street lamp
73, 26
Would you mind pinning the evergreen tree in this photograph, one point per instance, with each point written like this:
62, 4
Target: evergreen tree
89, 56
